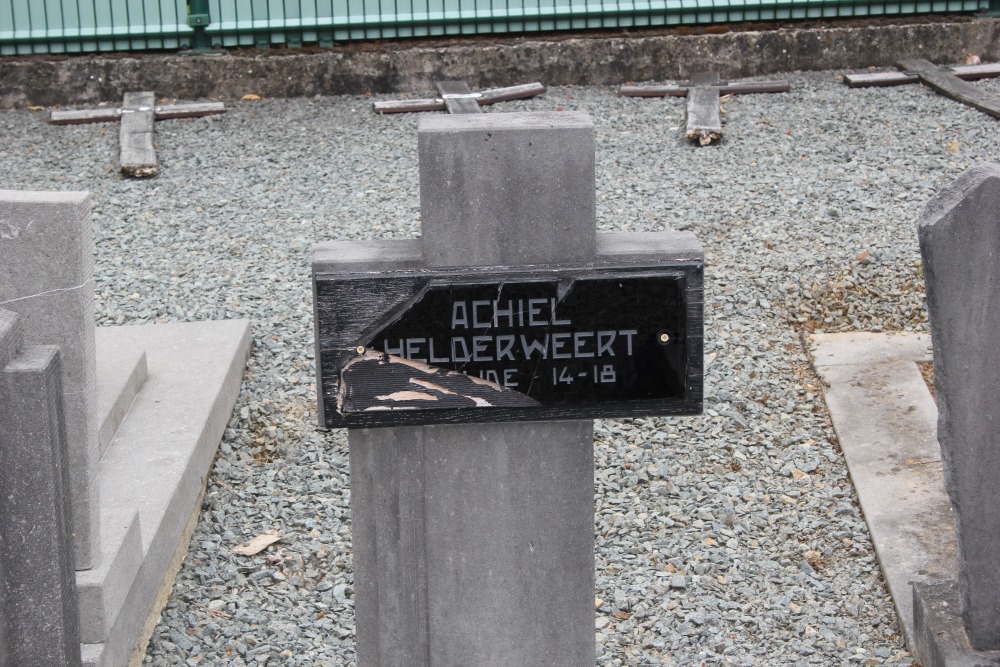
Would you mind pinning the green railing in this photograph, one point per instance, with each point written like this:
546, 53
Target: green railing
75, 26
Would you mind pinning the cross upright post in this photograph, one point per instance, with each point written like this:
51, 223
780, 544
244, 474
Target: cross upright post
703, 92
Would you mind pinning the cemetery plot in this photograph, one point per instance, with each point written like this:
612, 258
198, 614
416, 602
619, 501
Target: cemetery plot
703, 92
460, 347
457, 98
949, 81
137, 114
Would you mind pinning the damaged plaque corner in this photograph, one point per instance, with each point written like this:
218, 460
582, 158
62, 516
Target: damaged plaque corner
374, 381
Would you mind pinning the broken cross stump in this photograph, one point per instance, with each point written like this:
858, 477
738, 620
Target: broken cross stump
137, 113
457, 97
949, 81
703, 92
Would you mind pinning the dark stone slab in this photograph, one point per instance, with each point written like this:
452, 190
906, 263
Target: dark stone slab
960, 243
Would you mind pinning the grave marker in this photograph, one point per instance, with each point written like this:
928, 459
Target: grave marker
949, 81
457, 98
135, 139
703, 92
150, 459
959, 241
38, 603
474, 542
46, 276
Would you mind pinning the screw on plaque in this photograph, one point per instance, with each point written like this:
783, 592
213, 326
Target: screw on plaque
360, 349
663, 337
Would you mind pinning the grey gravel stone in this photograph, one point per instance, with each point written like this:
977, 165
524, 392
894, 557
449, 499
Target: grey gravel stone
806, 211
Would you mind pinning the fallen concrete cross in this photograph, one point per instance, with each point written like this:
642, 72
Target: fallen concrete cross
949, 81
137, 113
457, 97
703, 92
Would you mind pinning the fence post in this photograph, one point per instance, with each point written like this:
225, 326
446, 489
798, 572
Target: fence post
199, 19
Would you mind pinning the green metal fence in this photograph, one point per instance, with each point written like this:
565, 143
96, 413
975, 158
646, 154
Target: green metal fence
75, 26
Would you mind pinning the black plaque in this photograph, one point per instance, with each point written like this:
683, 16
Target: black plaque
441, 347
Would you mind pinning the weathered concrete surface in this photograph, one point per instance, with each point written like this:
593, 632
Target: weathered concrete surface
47, 277
513, 188
415, 66
157, 465
474, 543
885, 420
959, 238
941, 637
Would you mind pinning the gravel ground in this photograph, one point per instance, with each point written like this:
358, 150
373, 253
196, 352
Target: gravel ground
733, 538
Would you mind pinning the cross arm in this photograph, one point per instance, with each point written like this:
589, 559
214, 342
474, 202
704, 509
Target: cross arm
737, 88
490, 96
166, 111
965, 72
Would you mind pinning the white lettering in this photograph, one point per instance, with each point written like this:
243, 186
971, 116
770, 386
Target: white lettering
605, 346
479, 344
476, 322
412, 348
579, 341
535, 308
628, 333
508, 313
465, 356
555, 320
456, 319
433, 359
394, 351
504, 346
558, 342
542, 347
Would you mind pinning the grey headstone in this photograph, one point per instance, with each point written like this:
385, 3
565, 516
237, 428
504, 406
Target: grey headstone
960, 243
507, 189
46, 276
39, 616
474, 543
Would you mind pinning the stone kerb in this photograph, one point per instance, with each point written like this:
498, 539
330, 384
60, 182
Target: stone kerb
960, 243
46, 276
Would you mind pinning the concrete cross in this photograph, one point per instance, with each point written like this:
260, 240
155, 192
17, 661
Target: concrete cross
704, 124
457, 97
949, 81
137, 113
474, 542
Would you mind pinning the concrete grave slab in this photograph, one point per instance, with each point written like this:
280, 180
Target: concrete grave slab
156, 468
885, 419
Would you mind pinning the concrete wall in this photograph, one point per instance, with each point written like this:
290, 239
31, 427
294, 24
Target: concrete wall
415, 65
